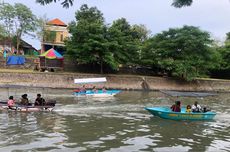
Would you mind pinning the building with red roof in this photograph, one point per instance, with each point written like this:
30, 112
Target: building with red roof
56, 22
55, 33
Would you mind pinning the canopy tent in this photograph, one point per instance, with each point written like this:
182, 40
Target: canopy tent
52, 54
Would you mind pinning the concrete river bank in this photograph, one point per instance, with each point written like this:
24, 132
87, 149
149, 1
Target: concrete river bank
125, 82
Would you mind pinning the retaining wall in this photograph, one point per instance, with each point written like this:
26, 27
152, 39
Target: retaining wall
130, 82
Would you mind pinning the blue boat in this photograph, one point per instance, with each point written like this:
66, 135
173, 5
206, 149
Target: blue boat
98, 93
167, 113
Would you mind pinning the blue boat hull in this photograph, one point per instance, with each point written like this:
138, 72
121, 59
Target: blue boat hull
166, 113
99, 93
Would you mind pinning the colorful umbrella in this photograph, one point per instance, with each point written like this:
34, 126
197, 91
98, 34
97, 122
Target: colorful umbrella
52, 54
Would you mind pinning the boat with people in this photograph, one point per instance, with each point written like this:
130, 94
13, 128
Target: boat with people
21, 108
24, 106
94, 92
167, 113
99, 93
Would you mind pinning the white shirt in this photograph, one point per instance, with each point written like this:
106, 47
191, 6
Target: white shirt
196, 108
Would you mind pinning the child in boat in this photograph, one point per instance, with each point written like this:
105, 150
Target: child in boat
196, 107
188, 108
11, 102
83, 89
39, 101
103, 89
176, 107
94, 89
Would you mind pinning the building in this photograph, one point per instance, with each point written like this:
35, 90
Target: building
24, 48
55, 32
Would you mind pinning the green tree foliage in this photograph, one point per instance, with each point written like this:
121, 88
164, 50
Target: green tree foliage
123, 41
225, 52
182, 3
182, 52
140, 32
19, 20
64, 3
41, 31
3, 33
68, 3
89, 43
7, 15
25, 21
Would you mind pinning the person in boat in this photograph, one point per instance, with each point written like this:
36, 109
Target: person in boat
39, 101
176, 107
94, 89
196, 107
188, 108
83, 89
11, 103
104, 89
25, 100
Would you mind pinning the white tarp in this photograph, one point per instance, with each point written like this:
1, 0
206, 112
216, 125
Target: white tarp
90, 80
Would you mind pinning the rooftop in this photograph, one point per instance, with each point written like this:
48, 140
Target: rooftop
56, 22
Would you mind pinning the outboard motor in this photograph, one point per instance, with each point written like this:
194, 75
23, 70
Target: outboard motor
206, 109
51, 103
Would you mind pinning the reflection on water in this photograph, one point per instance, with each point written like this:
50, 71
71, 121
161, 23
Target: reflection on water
112, 124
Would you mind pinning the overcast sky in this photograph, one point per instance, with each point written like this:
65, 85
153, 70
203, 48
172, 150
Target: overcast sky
157, 15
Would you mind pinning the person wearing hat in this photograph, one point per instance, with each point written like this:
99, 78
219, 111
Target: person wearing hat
39, 101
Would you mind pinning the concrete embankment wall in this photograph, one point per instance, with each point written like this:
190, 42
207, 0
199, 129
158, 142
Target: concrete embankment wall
66, 80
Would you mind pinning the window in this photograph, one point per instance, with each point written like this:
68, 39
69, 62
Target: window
61, 38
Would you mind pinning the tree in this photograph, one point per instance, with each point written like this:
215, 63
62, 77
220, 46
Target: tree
18, 20
181, 3
225, 52
140, 32
7, 15
25, 21
68, 3
3, 33
64, 3
89, 44
41, 31
123, 42
182, 52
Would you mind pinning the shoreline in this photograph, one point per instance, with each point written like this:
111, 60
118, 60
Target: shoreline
17, 79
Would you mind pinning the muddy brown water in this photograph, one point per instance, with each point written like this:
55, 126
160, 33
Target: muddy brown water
113, 124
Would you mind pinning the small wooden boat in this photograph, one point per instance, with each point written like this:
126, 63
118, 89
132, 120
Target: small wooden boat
167, 113
98, 93
48, 107
28, 108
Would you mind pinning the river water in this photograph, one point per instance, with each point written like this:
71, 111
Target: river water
113, 124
